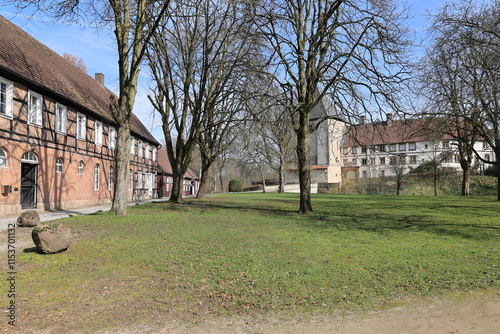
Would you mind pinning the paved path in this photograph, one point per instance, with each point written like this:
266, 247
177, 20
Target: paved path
51, 215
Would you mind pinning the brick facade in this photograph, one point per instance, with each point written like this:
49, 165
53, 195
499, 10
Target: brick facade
50, 159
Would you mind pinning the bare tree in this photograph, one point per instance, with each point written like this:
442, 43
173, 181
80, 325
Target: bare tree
133, 23
199, 62
461, 77
76, 61
351, 51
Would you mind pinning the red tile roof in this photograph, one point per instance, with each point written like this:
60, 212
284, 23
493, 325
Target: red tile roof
28, 59
165, 167
397, 131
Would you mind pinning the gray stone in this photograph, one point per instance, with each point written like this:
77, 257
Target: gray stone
29, 218
51, 238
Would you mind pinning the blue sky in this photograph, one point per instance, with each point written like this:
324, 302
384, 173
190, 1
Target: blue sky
98, 51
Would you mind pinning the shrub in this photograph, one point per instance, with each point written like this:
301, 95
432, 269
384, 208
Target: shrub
492, 170
235, 185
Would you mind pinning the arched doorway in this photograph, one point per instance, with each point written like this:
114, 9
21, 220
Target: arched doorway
29, 180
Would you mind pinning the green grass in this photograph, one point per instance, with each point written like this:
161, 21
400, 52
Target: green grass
251, 254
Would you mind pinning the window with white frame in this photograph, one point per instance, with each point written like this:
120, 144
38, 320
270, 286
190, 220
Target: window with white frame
132, 145
392, 148
59, 165
402, 146
3, 158
97, 169
35, 102
139, 149
6, 97
382, 161
155, 152
98, 133
147, 154
81, 126
139, 180
80, 167
61, 118
112, 138
110, 178
413, 159
412, 146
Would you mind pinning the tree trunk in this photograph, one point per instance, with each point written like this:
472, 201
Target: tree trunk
263, 178
177, 186
466, 168
122, 165
203, 182
281, 188
497, 163
304, 160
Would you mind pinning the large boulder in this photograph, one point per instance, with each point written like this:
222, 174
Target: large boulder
29, 218
51, 238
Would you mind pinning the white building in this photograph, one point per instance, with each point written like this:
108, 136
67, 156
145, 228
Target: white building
340, 152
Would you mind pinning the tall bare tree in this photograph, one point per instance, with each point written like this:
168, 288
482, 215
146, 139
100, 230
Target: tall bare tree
461, 77
199, 63
133, 23
352, 51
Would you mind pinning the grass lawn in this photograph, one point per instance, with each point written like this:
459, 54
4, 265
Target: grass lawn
252, 255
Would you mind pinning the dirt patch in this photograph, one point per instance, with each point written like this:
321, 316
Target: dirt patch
477, 313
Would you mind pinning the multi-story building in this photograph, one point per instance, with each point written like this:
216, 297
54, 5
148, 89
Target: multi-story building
57, 133
383, 148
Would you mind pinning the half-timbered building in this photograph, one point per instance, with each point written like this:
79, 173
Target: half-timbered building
57, 133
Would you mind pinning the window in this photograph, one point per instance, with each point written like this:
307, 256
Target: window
147, 154
6, 93
61, 118
130, 179
354, 162
34, 108
98, 133
402, 147
487, 157
96, 177
354, 150
446, 144
413, 159
140, 148
81, 126
393, 161
155, 152
364, 162
412, 146
381, 148
80, 167
345, 162
139, 180
132, 145
382, 161
3, 158
364, 150
372, 161
112, 138
110, 178
485, 145
345, 150
59, 165
29, 157
392, 147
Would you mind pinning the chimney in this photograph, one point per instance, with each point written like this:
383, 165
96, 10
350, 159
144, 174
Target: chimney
362, 120
389, 119
100, 78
